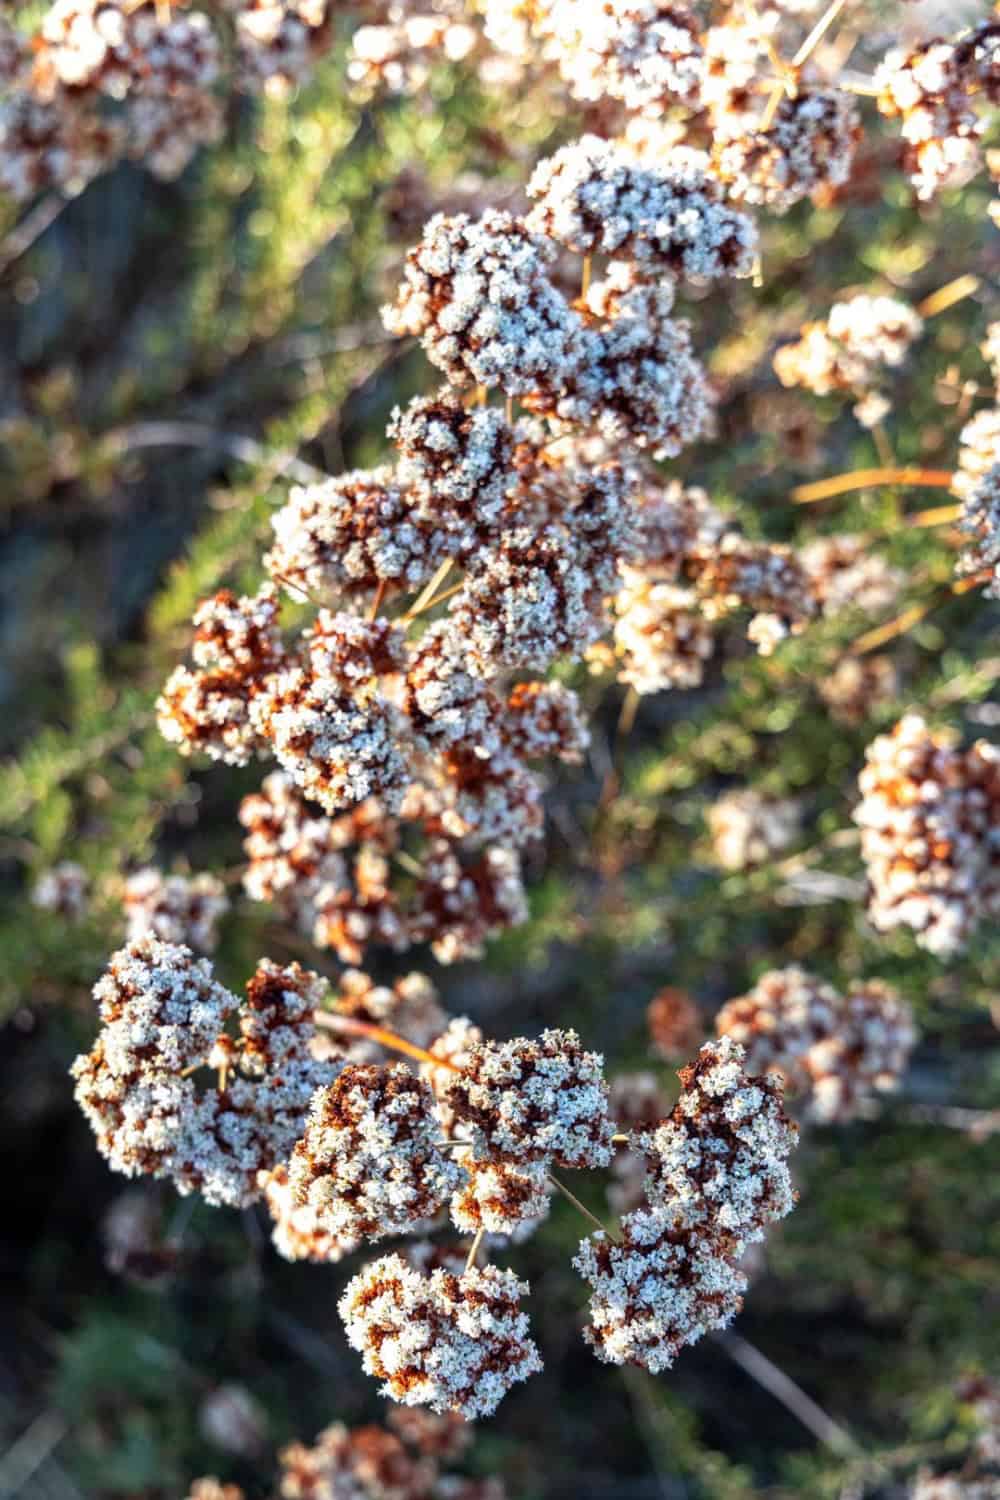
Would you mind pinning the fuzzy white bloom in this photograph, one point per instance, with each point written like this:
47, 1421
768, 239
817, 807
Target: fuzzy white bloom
175, 908
368, 1164
748, 829
501, 1198
929, 816
64, 889
721, 1156
534, 1101
668, 219
645, 54
846, 574
810, 144
660, 634
979, 451
297, 1233
478, 294
350, 534
450, 1342
980, 519
662, 1286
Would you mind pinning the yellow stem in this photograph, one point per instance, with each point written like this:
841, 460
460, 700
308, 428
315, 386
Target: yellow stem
585, 277
883, 447
377, 601
938, 515
818, 32
481, 395
947, 295
917, 612
863, 479
581, 1207
474, 1250
351, 1027
428, 593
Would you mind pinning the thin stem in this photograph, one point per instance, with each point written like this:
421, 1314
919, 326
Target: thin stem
863, 479
866, 87
31, 228
629, 709
427, 594
581, 1207
481, 395
620, 1140
917, 612
883, 447
474, 1249
783, 1389
818, 32
508, 410
947, 295
938, 515
585, 277
351, 1027
377, 601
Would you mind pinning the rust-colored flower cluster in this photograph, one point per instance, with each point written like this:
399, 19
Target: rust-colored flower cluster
838, 1051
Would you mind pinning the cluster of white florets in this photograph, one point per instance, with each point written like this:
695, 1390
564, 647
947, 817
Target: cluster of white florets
164, 71
175, 908
845, 573
837, 1051
933, 91
929, 817
809, 145
408, 1459
64, 890
670, 218
850, 350
979, 449
980, 519
163, 1017
748, 829
717, 1175
534, 1101
453, 1343
368, 1164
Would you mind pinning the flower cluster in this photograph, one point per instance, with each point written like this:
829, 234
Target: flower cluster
174, 908
836, 1050
717, 1176
980, 519
748, 829
809, 145
163, 1017
411, 1458
929, 815
63, 890
850, 349
933, 91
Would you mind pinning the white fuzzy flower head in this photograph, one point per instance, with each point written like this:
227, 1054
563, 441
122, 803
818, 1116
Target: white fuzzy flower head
929, 815
160, 1006
810, 144
670, 219
661, 635
748, 829
368, 1164
477, 293
721, 1156
64, 889
645, 54
980, 520
979, 451
351, 534
543, 719
534, 1101
501, 1198
297, 1234
663, 1285
846, 574
175, 908
455, 462
450, 1342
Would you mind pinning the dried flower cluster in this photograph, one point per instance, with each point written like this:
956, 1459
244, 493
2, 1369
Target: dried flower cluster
929, 815
174, 908
933, 91
717, 1176
748, 829
163, 1017
411, 1458
836, 1050
346, 1153
850, 350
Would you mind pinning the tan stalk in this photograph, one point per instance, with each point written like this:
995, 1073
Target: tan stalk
864, 479
348, 1026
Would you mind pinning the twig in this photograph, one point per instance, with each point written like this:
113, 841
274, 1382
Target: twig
474, 1249
30, 229
818, 32
947, 295
863, 479
348, 1026
581, 1208
427, 594
196, 435
792, 1397
28, 1452
938, 515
